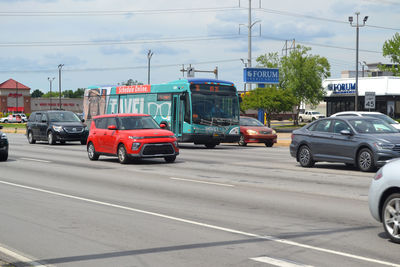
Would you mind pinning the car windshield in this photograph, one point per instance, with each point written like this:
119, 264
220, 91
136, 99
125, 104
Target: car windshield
137, 122
63, 116
372, 126
382, 117
250, 122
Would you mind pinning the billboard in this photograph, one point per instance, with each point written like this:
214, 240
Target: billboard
261, 75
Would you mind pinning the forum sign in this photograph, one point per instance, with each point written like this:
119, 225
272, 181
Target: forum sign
261, 75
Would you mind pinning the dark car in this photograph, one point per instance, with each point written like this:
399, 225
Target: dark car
365, 142
56, 125
130, 136
253, 131
3, 145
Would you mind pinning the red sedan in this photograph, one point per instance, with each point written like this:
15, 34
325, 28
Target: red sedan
130, 136
253, 131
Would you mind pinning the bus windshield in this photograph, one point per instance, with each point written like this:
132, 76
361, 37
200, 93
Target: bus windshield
214, 107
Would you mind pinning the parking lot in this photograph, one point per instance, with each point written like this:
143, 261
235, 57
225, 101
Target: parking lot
240, 206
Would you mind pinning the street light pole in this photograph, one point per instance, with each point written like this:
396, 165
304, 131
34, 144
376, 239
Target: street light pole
357, 26
245, 65
50, 80
59, 82
149, 55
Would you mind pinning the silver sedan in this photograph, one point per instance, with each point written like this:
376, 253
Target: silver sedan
384, 198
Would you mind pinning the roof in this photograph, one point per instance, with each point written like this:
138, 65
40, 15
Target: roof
13, 84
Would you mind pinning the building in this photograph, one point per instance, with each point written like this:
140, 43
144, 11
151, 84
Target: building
368, 70
14, 97
340, 94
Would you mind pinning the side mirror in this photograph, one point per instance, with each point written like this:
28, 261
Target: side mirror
163, 125
346, 132
44, 121
82, 120
112, 127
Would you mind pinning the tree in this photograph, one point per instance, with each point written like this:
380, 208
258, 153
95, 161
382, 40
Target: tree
272, 100
132, 82
37, 93
391, 49
302, 74
53, 94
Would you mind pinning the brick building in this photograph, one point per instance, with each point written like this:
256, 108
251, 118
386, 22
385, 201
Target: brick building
14, 97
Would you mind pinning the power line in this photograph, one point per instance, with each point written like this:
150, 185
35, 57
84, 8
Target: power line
113, 13
122, 42
291, 14
121, 68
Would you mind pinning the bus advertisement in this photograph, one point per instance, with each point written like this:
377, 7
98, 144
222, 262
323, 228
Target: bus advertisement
199, 111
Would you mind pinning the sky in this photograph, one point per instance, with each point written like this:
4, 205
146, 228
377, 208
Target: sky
103, 42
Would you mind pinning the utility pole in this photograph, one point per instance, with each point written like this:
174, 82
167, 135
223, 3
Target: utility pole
149, 55
59, 82
16, 95
249, 26
286, 48
50, 80
357, 26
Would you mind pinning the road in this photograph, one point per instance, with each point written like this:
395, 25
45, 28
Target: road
229, 206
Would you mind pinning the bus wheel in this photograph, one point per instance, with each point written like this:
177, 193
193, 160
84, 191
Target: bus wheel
210, 145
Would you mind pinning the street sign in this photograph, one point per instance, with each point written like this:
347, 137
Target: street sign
369, 100
190, 72
261, 75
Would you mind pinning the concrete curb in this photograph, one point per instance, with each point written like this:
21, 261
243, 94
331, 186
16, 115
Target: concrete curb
13, 130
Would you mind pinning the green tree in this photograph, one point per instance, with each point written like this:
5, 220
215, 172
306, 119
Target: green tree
391, 49
37, 93
53, 94
302, 74
272, 100
79, 93
67, 93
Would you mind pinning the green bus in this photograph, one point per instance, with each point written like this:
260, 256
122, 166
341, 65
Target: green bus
199, 111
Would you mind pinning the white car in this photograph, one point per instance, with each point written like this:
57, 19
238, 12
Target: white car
378, 115
384, 198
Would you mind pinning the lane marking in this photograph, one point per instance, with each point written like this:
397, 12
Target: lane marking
38, 160
214, 227
200, 182
279, 262
19, 257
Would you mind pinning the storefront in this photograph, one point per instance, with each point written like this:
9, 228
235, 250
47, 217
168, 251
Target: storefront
14, 97
340, 94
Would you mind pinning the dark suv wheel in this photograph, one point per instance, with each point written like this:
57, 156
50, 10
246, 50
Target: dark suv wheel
31, 140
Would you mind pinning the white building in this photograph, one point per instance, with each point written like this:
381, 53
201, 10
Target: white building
340, 94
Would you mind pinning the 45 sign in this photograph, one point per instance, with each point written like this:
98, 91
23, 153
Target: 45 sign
369, 100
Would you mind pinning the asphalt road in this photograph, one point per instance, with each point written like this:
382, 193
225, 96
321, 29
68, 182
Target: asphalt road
229, 206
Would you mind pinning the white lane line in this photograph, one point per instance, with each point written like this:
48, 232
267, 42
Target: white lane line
38, 160
19, 257
200, 182
279, 262
214, 227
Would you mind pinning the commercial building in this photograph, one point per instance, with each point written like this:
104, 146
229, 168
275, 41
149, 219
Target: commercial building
340, 94
14, 97
71, 104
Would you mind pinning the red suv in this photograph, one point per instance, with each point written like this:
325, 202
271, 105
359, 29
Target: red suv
130, 136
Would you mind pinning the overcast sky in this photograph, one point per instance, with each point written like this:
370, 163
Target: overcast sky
103, 42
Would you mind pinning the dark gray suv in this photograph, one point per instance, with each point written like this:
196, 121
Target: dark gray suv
56, 125
365, 142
